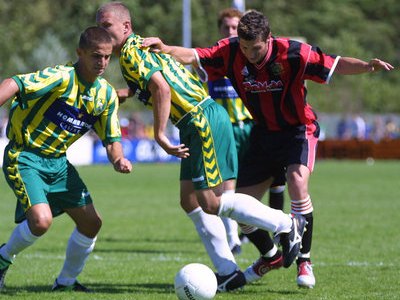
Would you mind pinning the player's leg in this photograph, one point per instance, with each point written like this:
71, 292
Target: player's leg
80, 244
298, 176
33, 213
210, 229
277, 192
231, 226
270, 256
75, 200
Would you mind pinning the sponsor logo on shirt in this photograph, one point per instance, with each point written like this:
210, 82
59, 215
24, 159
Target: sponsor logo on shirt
262, 87
70, 118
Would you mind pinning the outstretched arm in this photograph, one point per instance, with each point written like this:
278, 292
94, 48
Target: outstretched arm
350, 66
184, 55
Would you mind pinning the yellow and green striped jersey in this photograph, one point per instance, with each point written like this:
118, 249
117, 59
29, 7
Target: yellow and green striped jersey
55, 107
138, 64
224, 93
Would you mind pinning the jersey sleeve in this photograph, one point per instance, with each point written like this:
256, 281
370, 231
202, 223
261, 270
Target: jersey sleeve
138, 65
319, 65
107, 126
33, 86
214, 60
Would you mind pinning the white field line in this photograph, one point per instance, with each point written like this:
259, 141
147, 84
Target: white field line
164, 258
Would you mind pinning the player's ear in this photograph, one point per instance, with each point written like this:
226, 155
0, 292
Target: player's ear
78, 51
127, 27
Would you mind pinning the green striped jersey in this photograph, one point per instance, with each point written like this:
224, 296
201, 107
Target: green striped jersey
55, 107
139, 64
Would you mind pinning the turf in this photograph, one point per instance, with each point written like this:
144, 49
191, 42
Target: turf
146, 238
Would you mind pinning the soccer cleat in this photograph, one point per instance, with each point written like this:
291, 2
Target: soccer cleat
75, 287
230, 282
4, 264
305, 275
236, 250
291, 241
262, 266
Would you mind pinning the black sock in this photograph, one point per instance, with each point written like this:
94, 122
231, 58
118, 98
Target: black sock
261, 240
276, 200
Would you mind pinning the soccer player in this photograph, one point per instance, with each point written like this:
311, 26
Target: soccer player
268, 73
222, 91
50, 110
207, 147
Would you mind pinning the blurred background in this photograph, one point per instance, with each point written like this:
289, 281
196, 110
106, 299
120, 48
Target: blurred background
36, 34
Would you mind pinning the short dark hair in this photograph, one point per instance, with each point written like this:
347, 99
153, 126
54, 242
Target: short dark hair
92, 36
253, 25
228, 13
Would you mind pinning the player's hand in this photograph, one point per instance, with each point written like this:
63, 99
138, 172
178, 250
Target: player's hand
122, 165
377, 64
180, 150
156, 44
123, 94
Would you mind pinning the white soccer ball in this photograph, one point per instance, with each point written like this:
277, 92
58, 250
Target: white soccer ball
195, 282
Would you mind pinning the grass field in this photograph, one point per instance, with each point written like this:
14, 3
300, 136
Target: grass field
146, 238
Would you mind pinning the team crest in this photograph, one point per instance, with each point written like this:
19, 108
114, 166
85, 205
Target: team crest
277, 69
99, 106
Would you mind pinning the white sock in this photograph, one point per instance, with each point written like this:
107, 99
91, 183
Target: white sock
231, 227
248, 210
78, 250
212, 233
20, 238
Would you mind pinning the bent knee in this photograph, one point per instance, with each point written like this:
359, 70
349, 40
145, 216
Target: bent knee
40, 225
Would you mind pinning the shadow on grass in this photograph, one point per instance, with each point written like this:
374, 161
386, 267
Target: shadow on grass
141, 288
99, 288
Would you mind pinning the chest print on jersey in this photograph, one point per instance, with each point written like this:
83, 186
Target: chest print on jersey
250, 84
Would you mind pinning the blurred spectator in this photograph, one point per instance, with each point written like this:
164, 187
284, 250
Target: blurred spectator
391, 129
358, 127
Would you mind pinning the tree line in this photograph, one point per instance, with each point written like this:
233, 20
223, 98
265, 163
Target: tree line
35, 34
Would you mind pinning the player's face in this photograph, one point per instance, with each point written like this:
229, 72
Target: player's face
229, 27
94, 61
116, 27
255, 50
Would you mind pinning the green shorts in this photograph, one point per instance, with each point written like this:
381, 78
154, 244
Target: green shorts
36, 178
241, 133
207, 131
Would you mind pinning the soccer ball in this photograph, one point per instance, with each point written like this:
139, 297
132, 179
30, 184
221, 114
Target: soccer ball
195, 282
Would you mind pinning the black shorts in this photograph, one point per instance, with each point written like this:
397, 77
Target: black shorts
271, 152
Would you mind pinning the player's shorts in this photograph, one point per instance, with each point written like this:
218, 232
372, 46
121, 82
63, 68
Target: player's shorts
241, 133
271, 152
207, 131
37, 178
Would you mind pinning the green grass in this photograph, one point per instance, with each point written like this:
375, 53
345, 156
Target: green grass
146, 238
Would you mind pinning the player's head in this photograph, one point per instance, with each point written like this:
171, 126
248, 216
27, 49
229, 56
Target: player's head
254, 25
94, 52
116, 19
254, 33
228, 20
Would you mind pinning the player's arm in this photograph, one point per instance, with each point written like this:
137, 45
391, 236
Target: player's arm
8, 89
161, 95
116, 157
184, 55
351, 65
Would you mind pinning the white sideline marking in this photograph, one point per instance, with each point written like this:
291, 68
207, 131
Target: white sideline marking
163, 257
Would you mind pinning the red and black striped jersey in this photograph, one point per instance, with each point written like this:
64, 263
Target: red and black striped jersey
274, 91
